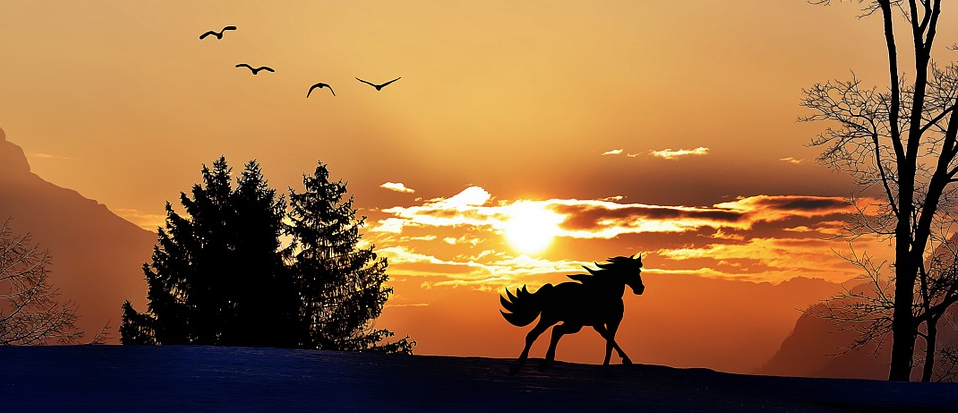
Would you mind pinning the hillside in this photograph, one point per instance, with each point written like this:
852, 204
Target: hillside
218, 379
97, 256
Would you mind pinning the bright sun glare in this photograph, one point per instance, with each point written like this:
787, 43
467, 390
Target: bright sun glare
531, 227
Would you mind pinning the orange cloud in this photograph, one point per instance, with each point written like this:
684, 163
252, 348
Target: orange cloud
461, 240
38, 155
397, 187
673, 154
589, 219
147, 221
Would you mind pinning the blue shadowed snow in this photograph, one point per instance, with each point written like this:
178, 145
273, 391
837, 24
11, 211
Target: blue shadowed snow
222, 379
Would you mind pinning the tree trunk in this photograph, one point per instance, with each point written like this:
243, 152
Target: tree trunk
930, 350
906, 269
903, 331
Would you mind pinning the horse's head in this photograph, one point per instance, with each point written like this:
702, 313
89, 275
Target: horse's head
630, 269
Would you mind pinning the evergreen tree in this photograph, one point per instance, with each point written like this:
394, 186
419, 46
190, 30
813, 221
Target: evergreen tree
217, 276
341, 284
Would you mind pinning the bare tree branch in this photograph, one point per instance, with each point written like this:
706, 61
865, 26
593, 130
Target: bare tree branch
29, 311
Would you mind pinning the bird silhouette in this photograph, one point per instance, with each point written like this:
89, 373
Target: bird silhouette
219, 34
379, 87
319, 86
255, 70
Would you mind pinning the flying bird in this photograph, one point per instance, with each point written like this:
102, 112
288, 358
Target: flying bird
256, 70
319, 86
379, 87
219, 34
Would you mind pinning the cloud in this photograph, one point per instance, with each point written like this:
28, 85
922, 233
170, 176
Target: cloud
607, 219
398, 187
145, 220
775, 208
768, 259
619, 152
469, 197
670, 154
389, 305
39, 155
504, 271
393, 225
792, 160
461, 240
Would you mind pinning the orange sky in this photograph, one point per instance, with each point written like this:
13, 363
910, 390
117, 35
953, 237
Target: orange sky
667, 128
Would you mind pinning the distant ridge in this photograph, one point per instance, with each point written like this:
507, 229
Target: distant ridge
818, 348
97, 256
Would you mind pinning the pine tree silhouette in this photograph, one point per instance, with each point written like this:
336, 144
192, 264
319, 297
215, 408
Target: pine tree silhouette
217, 276
342, 284
220, 277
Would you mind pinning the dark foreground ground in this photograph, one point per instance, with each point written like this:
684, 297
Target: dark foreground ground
211, 379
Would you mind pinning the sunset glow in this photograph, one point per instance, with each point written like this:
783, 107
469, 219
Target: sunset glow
524, 141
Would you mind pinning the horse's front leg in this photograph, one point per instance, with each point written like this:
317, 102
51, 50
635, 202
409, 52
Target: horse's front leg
613, 327
557, 333
608, 333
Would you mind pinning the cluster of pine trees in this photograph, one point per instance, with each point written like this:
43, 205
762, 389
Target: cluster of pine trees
243, 268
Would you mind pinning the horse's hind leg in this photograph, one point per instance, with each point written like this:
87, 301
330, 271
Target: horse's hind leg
536, 331
557, 333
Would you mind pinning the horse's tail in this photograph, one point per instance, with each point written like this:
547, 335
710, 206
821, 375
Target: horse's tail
523, 307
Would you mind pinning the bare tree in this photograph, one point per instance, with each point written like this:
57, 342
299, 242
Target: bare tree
29, 311
903, 140
868, 308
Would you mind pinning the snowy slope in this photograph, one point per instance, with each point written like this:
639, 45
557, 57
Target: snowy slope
218, 379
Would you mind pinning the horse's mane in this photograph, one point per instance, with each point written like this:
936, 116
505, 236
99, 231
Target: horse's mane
613, 264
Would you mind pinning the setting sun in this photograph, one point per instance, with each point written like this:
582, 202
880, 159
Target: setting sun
531, 227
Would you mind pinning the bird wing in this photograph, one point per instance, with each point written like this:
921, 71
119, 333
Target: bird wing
320, 86
246, 66
384, 84
370, 84
267, 68
228, 28
203, 36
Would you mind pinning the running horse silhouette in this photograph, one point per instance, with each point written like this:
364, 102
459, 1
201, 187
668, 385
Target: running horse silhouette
595, 300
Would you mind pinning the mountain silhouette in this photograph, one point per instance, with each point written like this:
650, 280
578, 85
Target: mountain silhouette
817, 348
97, 256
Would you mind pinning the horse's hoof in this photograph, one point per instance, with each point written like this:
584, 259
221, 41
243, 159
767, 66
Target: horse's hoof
626, 362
